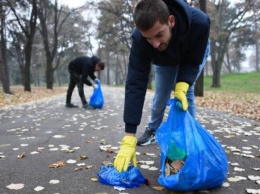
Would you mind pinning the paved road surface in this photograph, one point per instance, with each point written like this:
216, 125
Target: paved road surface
46, 131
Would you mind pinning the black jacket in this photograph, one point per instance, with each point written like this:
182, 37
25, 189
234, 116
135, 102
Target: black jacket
84, 66
186, 48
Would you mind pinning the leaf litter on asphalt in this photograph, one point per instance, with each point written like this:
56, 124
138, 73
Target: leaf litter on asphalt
229, 132
15, 186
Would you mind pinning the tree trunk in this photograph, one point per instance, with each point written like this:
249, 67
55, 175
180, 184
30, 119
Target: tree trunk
27, 65
107, 67
49, 73
199, 83
4, 71
216, 67
257, 57
217, 56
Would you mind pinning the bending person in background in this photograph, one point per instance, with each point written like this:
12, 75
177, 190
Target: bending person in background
80, 69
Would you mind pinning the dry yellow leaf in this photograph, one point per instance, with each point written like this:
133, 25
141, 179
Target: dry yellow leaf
94, 179
81, 157
54, 165
110, 150
89, 166
158, 188
61, 163
22, 155
78, 168
58, 164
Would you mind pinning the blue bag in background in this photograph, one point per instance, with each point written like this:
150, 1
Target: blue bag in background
97, 99
205, 165
131, 178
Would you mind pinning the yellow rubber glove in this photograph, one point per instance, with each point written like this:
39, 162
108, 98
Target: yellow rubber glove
126, 153
180, 92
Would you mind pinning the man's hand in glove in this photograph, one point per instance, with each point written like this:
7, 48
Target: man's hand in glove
180, 92
126, 153
95, 86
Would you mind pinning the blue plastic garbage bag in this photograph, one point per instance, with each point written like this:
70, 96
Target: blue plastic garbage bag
130, 179
97, 99
205, 165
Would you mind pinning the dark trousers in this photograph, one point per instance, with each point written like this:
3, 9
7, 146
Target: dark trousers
75, 79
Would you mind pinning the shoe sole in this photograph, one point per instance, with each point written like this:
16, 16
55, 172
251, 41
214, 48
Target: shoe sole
150, 141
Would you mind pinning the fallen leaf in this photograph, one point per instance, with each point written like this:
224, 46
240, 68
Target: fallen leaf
253, 178
81, 164
69, 151
21, 155
57, 164
226, 184
54, 165
253, 191
239, 169
104, 147
158, 188
119, 188
109, 150
89, 166
34, 152
17, 186
70, 161
58, 136
144, 166
107, 163
153, 168
94, 179
236, 178
54, 182
78, 168
38, 188
61, 163
81, 157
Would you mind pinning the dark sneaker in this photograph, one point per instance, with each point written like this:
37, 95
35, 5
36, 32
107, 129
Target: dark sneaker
70, 105
87, 106
147, 138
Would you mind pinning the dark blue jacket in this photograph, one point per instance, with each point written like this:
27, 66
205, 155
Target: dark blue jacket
84, 67
186, 48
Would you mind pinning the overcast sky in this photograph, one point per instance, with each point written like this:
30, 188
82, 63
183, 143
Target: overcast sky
72, 3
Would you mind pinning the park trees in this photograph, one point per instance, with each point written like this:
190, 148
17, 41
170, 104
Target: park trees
226, 19
61, 33
25, 21
54, 29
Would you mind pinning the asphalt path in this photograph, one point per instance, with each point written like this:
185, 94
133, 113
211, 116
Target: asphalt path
44, 132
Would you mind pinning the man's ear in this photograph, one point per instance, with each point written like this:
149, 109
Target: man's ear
171, 21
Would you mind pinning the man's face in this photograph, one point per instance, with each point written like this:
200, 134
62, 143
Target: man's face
159, 35
97, 68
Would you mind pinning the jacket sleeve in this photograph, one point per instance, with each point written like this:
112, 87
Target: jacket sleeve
92, 75
136, 83
193, 49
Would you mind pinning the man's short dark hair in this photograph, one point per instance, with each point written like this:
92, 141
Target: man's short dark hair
148, 12
101, 64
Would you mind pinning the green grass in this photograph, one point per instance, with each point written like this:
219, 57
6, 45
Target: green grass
242, 82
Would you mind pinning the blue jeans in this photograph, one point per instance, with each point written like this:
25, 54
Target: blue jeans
165, 79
